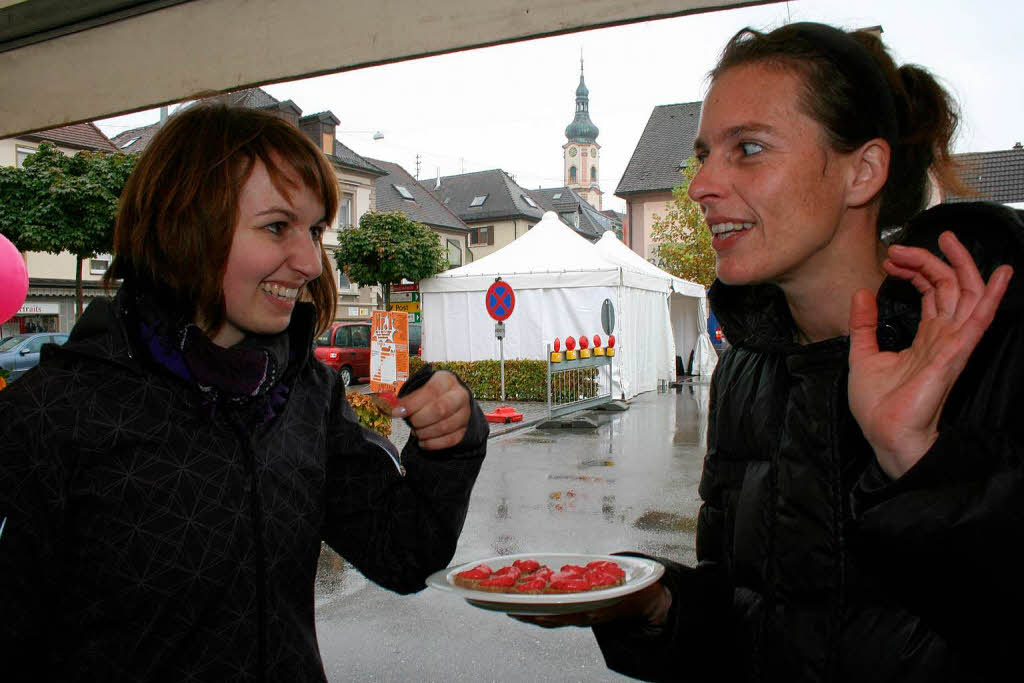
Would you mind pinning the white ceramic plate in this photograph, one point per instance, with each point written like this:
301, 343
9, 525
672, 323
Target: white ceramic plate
640, 573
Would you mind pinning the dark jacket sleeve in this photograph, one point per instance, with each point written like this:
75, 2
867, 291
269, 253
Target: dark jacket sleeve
692, 644
31, 505
947, 538
397, 522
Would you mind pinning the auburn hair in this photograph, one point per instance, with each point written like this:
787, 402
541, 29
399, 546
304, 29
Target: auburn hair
177, 215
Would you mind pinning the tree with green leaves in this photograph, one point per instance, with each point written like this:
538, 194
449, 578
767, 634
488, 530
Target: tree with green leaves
387, 247
59, 203
683, 240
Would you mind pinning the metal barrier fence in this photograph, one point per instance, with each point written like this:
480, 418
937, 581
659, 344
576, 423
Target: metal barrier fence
577, 384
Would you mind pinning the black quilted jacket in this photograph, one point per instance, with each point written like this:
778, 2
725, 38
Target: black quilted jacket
146, 537
813, 565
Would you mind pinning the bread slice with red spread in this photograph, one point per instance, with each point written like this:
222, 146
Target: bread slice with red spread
531, 577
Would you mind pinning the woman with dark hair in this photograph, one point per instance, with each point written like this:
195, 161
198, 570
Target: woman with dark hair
167, 476
863, 498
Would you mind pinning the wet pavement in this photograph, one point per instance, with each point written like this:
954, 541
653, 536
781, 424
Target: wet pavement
630, 484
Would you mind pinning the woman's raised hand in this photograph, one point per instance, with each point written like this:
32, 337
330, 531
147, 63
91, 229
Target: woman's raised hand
897, 398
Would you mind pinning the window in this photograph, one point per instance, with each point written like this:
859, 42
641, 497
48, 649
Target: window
557, 195
572, 174
479, 200
360, 336
345, 286
324, 339
593, 174
131, 142
36, 344
571, 218
345, 211
343, 336
454, 253
23, 153
481, 236
529, 201
404, 192
98, 266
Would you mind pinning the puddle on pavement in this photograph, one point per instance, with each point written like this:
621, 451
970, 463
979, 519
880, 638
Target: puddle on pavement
656, 520
582, 477
506, 545
536, 437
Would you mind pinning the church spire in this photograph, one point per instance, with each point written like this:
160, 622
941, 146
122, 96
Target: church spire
582, 129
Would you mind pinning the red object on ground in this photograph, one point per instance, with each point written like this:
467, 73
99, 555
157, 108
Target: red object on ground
570, 343
611, 340
597, 341
504, 414
584, 342
557, 345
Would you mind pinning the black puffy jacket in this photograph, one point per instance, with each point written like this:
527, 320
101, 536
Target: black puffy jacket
813, 565
143, 538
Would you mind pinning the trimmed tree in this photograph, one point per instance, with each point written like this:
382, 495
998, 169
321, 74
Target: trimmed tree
59, 203
684, 242
387, 247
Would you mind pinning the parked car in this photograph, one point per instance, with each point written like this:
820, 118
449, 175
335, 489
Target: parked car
20, 353
345, 347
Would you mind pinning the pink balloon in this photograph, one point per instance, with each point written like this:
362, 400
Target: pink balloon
13, 280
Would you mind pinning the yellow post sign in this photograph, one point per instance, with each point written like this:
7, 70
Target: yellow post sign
406, 306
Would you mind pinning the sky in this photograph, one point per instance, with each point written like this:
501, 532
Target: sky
507, 106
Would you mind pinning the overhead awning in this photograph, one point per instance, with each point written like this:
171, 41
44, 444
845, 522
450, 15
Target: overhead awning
63, 62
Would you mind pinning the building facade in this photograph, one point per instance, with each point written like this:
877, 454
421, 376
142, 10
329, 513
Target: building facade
493, 206
664, 148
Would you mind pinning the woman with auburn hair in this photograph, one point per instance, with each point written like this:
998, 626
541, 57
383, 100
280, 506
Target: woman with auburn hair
167, 476
862, 491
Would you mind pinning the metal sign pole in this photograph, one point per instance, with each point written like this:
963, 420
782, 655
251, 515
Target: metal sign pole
501, 351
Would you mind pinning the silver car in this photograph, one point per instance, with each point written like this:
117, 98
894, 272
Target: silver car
20, 353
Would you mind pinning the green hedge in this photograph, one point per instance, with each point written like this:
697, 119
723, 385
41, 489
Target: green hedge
524, 379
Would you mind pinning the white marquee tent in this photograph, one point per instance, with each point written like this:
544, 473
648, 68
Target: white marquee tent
560, 281
688, 306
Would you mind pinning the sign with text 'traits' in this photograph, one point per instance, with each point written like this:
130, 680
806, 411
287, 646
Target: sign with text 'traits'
389, 350
500, 300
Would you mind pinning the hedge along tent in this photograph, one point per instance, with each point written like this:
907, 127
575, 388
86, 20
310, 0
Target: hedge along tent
687, 302
560, 282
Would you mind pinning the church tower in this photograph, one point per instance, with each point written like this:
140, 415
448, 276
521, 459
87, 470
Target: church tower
581, 164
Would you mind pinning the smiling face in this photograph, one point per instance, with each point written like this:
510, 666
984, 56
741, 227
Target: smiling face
771, 189
275, 251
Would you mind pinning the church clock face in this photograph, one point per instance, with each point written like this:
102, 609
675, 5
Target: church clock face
572, 151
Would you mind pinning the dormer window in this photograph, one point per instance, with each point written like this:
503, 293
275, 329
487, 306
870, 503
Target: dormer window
557, 195
404, 192
479, 200
529, 201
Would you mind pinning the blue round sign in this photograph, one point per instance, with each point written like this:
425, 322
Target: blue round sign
500, 300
